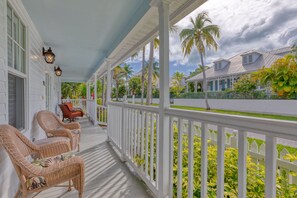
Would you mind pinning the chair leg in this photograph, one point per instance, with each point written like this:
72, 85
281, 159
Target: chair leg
18, 193
80, 195
69, 187
78, 147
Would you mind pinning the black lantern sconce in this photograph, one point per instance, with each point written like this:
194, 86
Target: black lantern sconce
49, 56
58, 71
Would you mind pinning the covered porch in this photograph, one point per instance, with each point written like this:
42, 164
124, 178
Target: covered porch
158, 144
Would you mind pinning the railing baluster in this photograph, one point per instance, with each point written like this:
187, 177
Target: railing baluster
220, 162
180, 158
242, 152
157, 148
171, 133
204, 160
190, 159
152, 149
143, 113
129, 132
270, 167
132, 134
135, 132
146, 142
138, 133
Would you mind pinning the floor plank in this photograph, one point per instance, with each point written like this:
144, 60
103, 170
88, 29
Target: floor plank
106, 176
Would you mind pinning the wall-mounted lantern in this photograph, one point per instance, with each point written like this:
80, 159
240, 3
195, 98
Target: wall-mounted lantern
49, 56
58, 71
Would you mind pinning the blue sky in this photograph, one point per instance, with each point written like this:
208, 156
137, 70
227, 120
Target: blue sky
244, 24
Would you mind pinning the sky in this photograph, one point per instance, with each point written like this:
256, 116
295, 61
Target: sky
244, 25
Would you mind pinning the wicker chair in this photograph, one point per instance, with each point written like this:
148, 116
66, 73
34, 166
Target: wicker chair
70, 112
54, 127
19, 148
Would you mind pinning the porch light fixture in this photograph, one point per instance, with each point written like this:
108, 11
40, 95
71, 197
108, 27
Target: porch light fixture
58, 71
49, 56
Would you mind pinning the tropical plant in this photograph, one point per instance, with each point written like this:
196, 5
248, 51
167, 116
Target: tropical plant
281, 76
177, 83
118, 74
135, 85
197, 71
245, 85
202, 35
73, 90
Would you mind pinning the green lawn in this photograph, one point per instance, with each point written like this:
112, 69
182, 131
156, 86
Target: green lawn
259, 115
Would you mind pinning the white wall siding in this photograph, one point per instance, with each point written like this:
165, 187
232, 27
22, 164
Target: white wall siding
36, 70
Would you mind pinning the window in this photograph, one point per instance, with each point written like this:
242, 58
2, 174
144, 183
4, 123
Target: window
16, 105
16, 41
220, 65
244, 59
16, 60
250, 58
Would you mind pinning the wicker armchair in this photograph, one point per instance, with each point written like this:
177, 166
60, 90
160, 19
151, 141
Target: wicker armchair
19, 148
70, 112
54, 127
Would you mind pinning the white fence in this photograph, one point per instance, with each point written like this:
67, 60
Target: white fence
134, 131
279, 107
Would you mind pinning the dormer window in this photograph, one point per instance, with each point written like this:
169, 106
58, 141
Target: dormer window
247, 59
250, 58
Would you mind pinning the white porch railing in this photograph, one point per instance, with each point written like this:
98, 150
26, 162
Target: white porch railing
91, 105
134, 131
102, 114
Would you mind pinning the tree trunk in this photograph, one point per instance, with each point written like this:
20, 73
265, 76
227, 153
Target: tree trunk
150, 72
204, 83
142, 74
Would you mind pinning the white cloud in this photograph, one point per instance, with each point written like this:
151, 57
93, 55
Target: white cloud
245, 24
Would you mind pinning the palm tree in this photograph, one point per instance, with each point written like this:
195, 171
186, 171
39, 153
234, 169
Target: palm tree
118, 74
127, 69
142, 74
202, 35
154, 44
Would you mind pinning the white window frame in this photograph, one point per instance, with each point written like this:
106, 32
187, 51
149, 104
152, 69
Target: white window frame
48, 91
13, 71
250, 58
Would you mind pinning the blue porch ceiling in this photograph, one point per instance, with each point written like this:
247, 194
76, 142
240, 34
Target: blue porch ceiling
83, 32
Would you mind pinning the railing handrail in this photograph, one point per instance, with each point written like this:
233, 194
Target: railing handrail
136, 106
278, 128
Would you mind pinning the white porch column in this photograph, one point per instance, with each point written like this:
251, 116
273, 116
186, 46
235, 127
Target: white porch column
95, 99
163, 136
108, 95
195, 86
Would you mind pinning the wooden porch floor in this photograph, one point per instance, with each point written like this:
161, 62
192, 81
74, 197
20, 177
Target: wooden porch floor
106, 175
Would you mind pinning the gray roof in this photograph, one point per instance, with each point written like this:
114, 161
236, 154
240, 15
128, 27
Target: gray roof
235, 66
281, 50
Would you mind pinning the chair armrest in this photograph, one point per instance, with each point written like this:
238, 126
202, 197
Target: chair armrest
54, 148
61, 133
72, 125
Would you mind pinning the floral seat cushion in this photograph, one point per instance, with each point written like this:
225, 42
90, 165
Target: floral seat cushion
39, 181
